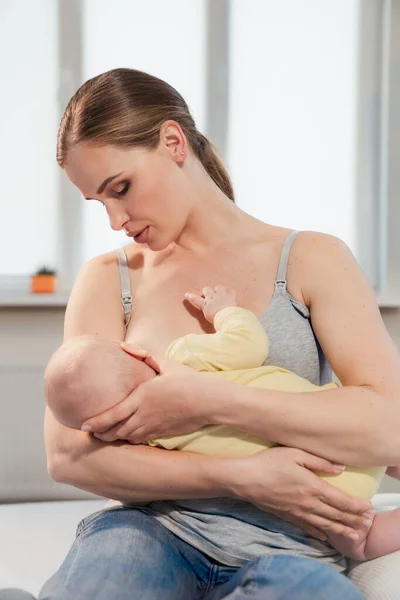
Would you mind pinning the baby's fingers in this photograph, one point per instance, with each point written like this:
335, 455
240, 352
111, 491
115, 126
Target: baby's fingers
195, 300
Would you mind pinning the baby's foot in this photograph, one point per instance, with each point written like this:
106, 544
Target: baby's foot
212, 300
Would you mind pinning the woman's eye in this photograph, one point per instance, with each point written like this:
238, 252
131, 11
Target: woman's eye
124, 190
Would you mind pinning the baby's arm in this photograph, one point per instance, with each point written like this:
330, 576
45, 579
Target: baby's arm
382, 537
240, 341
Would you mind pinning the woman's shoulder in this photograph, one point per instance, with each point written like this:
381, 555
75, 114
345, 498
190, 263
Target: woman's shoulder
100, 274
312, 254
94, 306
306, 245
314, 248
319, 260
133, 252
306, 241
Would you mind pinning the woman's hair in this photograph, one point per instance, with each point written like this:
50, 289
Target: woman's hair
126, 108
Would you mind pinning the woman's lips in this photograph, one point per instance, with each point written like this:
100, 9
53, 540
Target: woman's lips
141, 238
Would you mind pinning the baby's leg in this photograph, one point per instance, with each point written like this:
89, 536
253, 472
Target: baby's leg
382, 537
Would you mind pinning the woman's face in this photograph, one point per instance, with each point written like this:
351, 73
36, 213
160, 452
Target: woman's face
144, 192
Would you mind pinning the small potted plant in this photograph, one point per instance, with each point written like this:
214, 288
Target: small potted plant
44, 281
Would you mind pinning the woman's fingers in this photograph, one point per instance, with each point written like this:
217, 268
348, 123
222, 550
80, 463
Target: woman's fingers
127, 430
326, 507
112, 416
161, 364
337, 505
333, 495
135, 351
347, 518
338, 499
155, 361
316, 463
107, 436
325, 525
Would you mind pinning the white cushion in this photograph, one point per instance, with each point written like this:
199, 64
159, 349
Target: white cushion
386, 501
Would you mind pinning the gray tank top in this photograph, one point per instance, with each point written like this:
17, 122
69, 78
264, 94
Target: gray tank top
233, 531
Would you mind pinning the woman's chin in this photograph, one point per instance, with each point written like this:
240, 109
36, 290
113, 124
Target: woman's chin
157, 245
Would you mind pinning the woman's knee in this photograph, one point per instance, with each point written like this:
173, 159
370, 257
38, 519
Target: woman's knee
117, 551
122, 528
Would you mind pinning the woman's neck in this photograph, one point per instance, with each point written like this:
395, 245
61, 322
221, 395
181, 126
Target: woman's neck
215, 221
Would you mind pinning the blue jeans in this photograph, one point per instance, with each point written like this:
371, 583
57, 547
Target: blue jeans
125, 554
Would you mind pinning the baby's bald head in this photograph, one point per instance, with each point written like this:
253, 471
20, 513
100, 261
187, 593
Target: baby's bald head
88, 375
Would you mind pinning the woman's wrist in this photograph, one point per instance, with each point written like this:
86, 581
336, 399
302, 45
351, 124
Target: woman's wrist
228, 402
223, 477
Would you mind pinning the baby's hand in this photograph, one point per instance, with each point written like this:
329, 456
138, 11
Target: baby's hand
212, 300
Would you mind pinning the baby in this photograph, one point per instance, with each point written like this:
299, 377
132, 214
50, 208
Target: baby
86, 376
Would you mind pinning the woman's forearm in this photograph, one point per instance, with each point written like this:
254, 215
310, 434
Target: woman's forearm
352, 425
132, 473
143, 474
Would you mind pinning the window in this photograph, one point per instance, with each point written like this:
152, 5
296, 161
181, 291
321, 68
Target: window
165, 39
28, 112
293, 112
300, 97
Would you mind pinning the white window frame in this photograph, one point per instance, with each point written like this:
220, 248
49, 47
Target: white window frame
389, 206
70, 200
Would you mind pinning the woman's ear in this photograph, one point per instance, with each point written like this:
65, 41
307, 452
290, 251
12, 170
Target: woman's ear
173, 140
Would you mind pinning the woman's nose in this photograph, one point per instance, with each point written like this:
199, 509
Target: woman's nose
117, 220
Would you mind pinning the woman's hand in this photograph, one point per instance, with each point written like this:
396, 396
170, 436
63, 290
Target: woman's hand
172, 403
280, 481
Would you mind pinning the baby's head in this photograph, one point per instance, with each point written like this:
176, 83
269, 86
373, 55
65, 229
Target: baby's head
87, 375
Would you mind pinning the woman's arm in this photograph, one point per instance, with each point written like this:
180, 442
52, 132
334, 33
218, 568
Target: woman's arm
131, 473
358, 424
136, 474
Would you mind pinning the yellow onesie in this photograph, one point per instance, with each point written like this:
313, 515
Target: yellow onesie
236, 352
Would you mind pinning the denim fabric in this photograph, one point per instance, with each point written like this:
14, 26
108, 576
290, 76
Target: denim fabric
124, 554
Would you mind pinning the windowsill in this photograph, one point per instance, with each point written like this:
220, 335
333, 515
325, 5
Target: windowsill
15, 299
389, 302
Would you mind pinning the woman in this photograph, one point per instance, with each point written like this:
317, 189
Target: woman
239, 527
